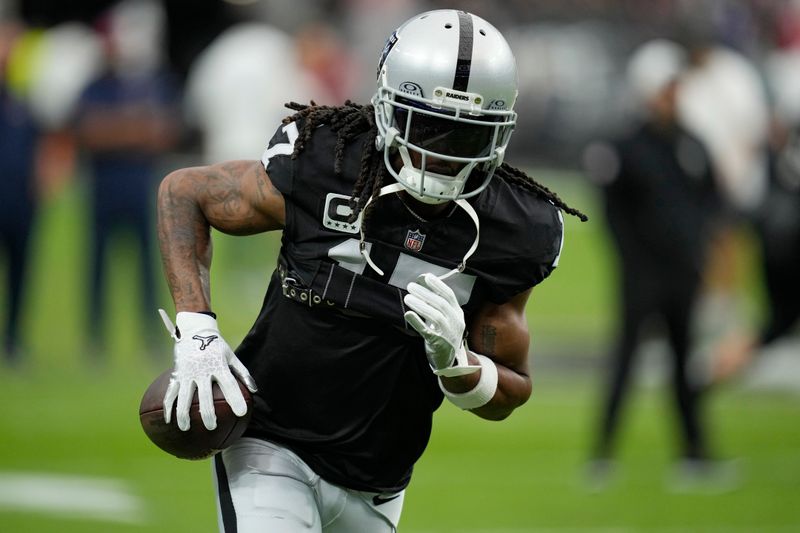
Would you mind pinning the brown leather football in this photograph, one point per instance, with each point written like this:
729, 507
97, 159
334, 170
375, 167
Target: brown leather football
197, 442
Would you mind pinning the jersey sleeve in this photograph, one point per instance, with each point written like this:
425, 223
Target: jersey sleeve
539, 257
277, 158
523, 245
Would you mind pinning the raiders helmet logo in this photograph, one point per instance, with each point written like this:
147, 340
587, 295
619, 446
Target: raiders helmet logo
414, 240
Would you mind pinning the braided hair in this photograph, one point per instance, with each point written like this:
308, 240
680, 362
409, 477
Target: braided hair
350, 120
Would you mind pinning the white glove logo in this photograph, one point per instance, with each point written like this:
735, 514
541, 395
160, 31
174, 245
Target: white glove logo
204, 341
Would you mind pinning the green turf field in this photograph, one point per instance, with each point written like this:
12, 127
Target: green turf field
69, 429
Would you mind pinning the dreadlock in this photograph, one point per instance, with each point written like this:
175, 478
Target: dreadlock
351, 120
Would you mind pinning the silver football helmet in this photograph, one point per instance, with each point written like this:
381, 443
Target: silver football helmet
447, 84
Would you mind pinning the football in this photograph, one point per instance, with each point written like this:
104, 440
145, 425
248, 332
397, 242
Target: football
198, 442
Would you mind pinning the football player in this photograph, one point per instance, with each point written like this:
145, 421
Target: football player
409, 252
660, 200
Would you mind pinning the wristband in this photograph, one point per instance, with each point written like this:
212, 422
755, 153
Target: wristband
190, 321
482, 393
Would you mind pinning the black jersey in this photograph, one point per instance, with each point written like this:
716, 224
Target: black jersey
343, 381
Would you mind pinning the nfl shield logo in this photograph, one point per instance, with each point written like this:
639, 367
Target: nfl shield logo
414, 240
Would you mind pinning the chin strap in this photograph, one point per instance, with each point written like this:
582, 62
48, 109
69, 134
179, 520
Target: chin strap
463, 204
466, 206
362, 245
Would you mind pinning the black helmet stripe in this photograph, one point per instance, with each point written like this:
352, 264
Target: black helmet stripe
464, 63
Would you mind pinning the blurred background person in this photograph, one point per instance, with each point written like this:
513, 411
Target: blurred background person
777, 219
237, 88
126, 120
723, 101
19, 144
777, 228
659, 198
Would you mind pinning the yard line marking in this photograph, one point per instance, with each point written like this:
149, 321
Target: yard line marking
103, 499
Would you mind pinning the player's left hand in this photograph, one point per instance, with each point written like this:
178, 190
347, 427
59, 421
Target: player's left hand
436, 315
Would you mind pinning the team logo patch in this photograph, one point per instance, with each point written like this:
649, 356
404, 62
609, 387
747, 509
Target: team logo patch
414, 240
337, 214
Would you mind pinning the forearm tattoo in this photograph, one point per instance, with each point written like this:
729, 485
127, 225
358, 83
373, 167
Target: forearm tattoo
234, 197
185, 243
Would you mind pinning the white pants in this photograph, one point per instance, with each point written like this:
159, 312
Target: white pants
265, 488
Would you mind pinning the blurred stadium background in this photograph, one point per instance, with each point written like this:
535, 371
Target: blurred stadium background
72, 455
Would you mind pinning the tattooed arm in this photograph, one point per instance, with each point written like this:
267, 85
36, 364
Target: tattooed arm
500, 332
235, 197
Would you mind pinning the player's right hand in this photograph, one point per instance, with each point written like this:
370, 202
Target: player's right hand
202, 357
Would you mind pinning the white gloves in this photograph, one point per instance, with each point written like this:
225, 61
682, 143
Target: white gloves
201, 357
438, 318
